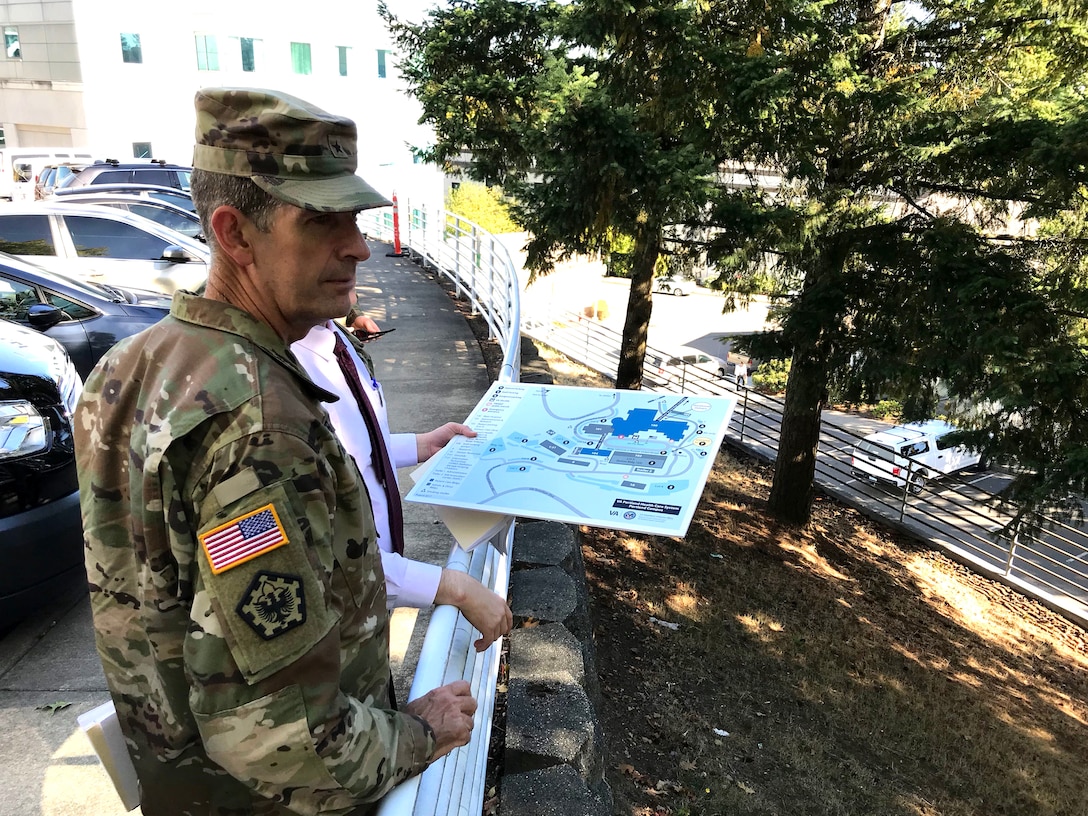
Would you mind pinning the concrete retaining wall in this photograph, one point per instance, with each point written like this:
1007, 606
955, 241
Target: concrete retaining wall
554, 763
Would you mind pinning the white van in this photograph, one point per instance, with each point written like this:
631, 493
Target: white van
19, 167
911, 455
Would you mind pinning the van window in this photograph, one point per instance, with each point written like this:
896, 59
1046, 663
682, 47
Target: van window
113, 177
26, 235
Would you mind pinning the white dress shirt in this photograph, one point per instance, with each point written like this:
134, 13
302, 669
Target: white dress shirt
407, 582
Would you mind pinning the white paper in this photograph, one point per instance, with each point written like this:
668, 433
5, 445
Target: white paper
104, 733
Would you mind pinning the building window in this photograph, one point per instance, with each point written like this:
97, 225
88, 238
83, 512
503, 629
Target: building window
300, 57
207, 54
342, 52
248, 60
141, 150
11, 42
381, 63
3, 138
130, 48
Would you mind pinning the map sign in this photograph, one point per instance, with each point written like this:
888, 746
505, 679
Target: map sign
630, 460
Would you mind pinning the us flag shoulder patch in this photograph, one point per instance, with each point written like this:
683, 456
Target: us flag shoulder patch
243, 539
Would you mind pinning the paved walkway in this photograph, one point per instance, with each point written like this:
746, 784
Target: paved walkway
432, 372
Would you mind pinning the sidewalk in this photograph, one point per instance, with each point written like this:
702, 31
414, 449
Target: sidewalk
432, 372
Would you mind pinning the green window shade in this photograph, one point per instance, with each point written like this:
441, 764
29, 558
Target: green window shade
130, 48
207, 54
300, 58
248, 60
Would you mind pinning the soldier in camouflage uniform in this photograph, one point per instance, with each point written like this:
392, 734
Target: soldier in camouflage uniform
238, 598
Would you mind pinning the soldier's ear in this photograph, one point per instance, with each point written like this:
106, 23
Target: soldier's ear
232, 233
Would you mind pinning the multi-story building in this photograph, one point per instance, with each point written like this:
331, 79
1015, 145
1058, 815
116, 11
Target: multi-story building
118, 76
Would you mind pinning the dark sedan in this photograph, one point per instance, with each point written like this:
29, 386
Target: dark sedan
41, 543
86, 318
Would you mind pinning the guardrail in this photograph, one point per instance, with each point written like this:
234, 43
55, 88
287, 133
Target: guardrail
481, 271
1050, 563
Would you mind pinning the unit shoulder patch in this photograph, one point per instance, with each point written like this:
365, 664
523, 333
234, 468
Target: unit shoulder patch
273, 604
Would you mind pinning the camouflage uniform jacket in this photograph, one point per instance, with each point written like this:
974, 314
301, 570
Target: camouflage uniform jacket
237, 592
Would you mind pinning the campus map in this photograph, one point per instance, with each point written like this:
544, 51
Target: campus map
630, 460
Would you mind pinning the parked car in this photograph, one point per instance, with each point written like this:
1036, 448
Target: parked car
104, 245
170, 215
86, 318
171, 195
911, 455
112, 171
20, 166
41, 539
675, 285
683, 366
53, 174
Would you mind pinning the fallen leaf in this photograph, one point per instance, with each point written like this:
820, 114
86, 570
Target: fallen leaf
746, 788
52, 708
687, 765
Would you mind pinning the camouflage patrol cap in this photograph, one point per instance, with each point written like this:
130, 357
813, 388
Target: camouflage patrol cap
291, 149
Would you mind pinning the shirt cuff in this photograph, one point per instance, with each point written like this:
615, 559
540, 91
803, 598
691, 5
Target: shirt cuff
403, 450
410, 583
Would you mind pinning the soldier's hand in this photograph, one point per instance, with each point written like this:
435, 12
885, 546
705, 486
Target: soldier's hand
448, 710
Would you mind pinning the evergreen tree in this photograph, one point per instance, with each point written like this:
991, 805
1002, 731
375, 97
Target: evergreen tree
584, 114
912, 152
906, 153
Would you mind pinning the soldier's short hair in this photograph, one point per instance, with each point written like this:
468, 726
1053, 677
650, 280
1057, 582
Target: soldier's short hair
211, 190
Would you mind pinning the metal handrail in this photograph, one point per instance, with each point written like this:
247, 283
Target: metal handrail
1050, 563
480, 269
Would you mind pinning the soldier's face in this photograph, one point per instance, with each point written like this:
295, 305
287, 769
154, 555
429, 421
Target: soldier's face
305, 266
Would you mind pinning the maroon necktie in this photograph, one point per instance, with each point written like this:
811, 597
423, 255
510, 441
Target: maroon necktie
378, 452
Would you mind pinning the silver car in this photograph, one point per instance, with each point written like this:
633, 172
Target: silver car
104, 245
179, 219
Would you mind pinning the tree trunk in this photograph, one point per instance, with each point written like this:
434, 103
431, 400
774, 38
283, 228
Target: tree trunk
639, 306
795, 466
806, 389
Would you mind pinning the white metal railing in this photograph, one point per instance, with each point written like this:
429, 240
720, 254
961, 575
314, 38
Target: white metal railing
480, 269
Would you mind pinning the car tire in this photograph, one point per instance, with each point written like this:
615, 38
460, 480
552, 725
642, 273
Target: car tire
678, 291
917, 483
